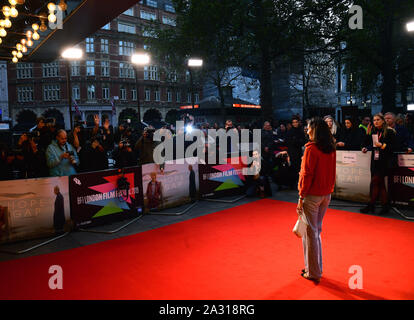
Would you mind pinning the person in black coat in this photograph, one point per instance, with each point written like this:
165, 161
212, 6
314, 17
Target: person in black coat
192, 183
59, 212
295, 140
350, 137
381, 140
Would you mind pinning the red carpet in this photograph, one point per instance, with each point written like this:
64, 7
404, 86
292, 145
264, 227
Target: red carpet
247, 252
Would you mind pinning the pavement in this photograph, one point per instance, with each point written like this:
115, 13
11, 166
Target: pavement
77, 239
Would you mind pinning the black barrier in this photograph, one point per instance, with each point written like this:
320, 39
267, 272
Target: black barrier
100, 197
223, 180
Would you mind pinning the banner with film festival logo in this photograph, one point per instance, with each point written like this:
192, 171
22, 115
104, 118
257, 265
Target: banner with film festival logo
353, 176
171, 184
33, 208
401, 181
102, 196
223, 180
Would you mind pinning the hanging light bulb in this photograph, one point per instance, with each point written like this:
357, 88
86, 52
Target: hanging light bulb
14, 52
15, 60
51, 6
62, 5
29, 34
13, 12
7, 23
36, 36
1, 23
19, 55
3, 32
43, 26
19, 46
13, 2
6, 11
23, 41
29, 42
24, 49
52, 18
35, 26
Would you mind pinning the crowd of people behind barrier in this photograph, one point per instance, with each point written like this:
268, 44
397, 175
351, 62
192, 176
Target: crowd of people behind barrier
50, 151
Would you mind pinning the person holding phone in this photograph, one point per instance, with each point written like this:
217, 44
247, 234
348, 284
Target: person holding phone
381, 139
61, 157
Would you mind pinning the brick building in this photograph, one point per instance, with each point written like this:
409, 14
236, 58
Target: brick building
104, 77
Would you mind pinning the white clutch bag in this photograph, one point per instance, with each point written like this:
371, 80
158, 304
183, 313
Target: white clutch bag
300, 227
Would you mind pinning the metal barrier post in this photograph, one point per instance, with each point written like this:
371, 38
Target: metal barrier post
36, 246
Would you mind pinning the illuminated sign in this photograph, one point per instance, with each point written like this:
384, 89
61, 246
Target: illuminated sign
189, 107
248, 106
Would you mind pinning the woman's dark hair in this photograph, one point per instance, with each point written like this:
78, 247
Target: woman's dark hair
324, 139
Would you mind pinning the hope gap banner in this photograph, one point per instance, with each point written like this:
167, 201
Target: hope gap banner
222, 180
98, 197
353, 176
170, 185
401, 182
33, 208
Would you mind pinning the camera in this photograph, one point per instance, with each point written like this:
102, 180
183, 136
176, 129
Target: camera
71, 153
125, 143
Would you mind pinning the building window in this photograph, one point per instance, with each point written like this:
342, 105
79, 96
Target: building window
126, 70
152, 3
169, 95
126, 48
134, 94
172, 76
24, 94
188, 96
91, 92
51, 92
105, 46
178, 96
151, 73
149, 33
24, 70
129, 12
196, 97
147, 94
89, 45
75, 68
50, 70
148, 15
169, 8
169, 21
105, 93
157, 94
90, 68
76, 92
107, 26
105, 68
123, 27
123, 94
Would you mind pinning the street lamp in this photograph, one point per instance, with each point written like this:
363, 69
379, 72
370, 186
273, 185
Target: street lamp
70, 54
193, 63
139, 59
410, 26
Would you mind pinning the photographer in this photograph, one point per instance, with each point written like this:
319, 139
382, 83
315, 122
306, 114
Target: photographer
61, 157
145, 147
94, 157
27, 158
124, 155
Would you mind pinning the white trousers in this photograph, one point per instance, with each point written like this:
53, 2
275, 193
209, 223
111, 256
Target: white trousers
314, 208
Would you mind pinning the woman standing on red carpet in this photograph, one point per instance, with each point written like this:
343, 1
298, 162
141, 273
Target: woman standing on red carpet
316, 183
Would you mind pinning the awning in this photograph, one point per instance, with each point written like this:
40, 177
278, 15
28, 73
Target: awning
82, 18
